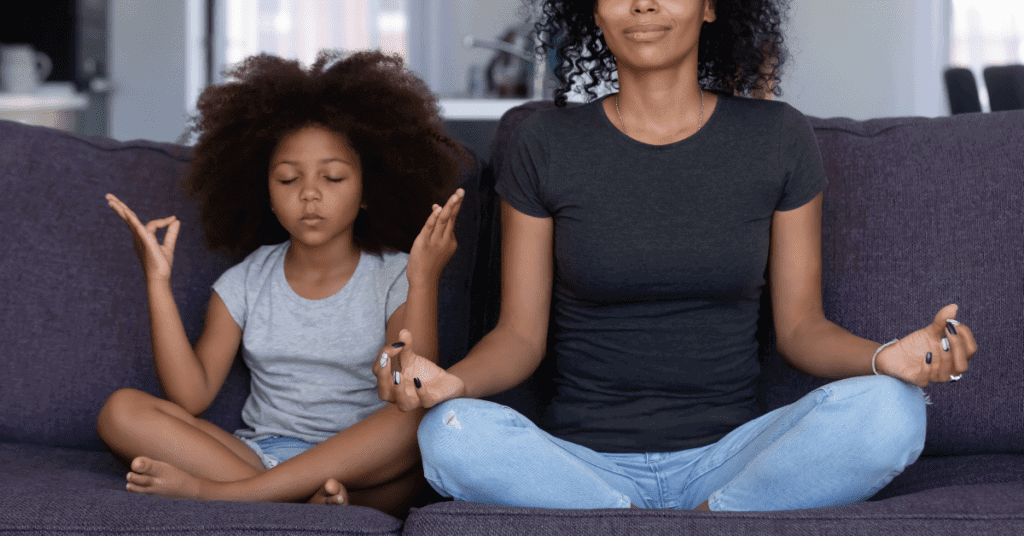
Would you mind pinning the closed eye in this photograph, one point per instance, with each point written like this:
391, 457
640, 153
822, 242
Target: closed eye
289, 181
333, 179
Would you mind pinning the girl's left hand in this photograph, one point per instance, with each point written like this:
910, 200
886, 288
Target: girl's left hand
435, 244
937, 353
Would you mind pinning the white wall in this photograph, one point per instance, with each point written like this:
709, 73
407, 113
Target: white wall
867, 58
444, 62
147, 69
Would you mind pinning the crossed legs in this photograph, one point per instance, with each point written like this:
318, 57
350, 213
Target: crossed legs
373, 463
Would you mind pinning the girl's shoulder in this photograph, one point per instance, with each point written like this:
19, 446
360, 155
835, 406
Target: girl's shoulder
388, 264
257, 264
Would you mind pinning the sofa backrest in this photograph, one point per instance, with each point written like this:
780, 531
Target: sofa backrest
919, 213
74, 323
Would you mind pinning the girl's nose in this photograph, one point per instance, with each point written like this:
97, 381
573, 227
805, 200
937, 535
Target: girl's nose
310, 193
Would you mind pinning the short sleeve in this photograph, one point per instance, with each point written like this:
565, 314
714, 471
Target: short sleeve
395, 280
522, 169
799, 157
230, 286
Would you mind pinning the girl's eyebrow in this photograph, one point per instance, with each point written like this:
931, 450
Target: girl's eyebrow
324, 161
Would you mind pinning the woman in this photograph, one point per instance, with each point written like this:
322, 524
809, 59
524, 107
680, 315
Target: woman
647, 219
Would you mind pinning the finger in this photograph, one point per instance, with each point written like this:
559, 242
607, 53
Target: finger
171, 237
428, 227
382, 370
153, 225
957, 347
967, 336
446, 217
450, 226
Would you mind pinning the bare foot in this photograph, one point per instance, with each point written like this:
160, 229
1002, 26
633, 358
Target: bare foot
332, 492
159, 478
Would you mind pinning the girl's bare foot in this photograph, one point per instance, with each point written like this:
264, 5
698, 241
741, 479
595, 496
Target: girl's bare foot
159, 478
332, 492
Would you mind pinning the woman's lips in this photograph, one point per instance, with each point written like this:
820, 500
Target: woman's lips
644, 32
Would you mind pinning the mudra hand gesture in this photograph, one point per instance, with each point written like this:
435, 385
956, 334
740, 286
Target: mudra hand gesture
410, 380
939, 352
156, 258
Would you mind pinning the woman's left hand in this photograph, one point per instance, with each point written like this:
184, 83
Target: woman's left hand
937, 353
435, 244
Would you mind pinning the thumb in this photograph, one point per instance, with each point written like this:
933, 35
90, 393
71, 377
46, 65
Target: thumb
944, 314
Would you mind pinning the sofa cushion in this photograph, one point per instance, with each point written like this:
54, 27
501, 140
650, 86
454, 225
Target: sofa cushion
956, 510
74, 324
63, 491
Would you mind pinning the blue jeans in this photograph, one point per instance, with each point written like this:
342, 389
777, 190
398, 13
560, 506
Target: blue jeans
838, 445
275, 449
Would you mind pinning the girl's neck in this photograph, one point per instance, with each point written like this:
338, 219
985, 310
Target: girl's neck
322, 261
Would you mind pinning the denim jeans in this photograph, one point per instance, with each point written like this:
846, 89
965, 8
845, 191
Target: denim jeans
837, 445
275, 449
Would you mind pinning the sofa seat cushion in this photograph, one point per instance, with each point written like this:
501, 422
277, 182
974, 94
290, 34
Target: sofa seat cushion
51, 490
954, 510
930, 472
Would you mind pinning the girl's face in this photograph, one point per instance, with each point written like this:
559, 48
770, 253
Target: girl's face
651, 34
316, 186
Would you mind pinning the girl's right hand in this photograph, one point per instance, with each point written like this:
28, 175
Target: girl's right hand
156, 258
421, 383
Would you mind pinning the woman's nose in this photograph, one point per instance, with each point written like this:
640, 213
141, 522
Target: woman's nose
645, 6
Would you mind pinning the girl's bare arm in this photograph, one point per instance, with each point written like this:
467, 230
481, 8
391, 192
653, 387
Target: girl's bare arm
189, 378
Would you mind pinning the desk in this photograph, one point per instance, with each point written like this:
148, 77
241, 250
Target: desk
54, 106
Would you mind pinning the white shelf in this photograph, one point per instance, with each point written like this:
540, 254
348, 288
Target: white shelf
52, 96
476, 109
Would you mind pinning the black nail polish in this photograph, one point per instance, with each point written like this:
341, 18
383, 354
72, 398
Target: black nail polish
417, 382
928, 358
398, 344
950, 328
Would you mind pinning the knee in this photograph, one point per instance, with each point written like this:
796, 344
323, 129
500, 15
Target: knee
119, 411
894, 420
455, 433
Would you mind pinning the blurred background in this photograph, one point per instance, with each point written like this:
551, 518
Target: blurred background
134, 68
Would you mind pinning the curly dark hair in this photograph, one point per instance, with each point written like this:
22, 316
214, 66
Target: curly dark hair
385, 113
740, 53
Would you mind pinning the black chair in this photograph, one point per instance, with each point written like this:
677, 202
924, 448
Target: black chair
1005, 87
962, 91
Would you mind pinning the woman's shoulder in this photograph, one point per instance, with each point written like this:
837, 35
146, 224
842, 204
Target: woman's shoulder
769, 113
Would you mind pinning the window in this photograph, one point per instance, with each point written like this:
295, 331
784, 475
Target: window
985, 33
299, 29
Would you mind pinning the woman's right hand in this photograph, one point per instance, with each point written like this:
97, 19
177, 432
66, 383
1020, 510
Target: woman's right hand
156, 258
421, 383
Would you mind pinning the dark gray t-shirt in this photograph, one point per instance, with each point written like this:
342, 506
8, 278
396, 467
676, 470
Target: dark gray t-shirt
660, 253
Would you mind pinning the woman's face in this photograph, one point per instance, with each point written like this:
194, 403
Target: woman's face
652, 34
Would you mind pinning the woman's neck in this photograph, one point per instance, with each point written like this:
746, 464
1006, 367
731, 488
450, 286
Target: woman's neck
660, 106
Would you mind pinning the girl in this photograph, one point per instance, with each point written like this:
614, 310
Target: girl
644, 221
323, 178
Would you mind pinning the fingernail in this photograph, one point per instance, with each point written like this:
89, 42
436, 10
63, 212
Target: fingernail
928, 358
417, 382
945, 344
398, 344
383, 360
950, 328
398, 377
953, 321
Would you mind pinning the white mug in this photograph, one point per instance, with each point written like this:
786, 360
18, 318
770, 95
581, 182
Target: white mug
22, 68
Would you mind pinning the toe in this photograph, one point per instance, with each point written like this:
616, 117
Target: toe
141, 464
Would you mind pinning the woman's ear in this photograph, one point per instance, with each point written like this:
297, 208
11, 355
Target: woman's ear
709, 11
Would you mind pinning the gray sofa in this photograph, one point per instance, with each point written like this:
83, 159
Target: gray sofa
919, 213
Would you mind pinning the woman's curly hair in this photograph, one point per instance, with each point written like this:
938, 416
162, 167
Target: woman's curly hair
741, 52
385, 113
